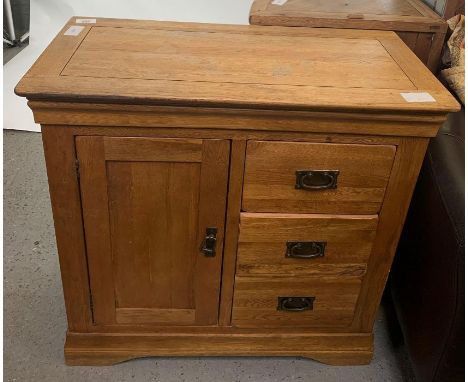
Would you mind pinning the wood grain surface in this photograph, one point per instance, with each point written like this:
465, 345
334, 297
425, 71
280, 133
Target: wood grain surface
408, 160
270, 177
142, 159
358, 14
189, 64
233, 123
147, 51
236, 175
256, 301
146, 205
107, 349
59, 152
263, 238
417, 25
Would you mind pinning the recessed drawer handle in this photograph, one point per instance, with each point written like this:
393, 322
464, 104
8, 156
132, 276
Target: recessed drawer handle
305, 249
295, 304
313, 180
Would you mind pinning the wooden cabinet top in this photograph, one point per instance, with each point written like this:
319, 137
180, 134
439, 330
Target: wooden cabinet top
396, 15
183, 64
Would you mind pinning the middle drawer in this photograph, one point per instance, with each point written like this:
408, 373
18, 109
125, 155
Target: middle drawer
305, 244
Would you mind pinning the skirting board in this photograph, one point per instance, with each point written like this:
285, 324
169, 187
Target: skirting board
111, 348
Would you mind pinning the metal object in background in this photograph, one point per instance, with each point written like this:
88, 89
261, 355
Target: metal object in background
9, 21
15, 27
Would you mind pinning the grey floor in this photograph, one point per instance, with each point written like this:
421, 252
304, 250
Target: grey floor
34, 315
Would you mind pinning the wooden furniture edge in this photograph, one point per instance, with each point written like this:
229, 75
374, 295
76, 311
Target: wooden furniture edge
428, 22
60, 50
434, 59
389, 124
407, 60
419, 26
60, 157
408, 160
453, 7
426, 10
44, 82
108, 349
258, 6
224, 28
236, 175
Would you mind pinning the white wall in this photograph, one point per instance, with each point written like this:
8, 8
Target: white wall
48, 16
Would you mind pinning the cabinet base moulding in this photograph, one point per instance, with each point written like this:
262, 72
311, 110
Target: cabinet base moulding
96, 349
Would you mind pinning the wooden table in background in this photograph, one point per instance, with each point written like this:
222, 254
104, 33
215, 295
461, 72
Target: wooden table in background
418, 26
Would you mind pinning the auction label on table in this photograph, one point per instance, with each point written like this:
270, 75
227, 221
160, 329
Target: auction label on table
85, 21
74, 30
418, 97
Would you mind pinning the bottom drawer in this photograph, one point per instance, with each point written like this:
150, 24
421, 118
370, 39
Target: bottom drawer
294, 302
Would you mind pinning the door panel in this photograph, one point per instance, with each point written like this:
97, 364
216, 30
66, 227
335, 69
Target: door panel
152, 214
146, 206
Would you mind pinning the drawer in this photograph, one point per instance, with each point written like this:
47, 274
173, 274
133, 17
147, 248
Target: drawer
261, 302
304, 244
296, 177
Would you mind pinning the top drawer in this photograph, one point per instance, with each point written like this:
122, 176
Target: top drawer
296, 177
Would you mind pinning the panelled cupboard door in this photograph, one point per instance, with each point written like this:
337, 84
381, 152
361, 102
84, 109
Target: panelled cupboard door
147, 204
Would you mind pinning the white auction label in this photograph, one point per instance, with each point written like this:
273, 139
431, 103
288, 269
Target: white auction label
85, 21
279, 2
418, 97
74, 30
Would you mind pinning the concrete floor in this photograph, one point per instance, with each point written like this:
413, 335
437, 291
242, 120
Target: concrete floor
34, 315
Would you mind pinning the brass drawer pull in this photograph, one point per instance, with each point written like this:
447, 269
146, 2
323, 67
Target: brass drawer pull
305, 249
208, 246
295, 304
313, 180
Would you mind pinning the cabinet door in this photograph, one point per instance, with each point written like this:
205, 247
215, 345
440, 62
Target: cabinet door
147, 204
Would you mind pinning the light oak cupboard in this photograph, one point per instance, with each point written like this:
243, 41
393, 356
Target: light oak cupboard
228, 190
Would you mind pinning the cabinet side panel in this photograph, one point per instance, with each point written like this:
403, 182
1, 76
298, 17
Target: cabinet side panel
409, 38
59, 150
405, 171
434, 59
423, 46
94, 199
